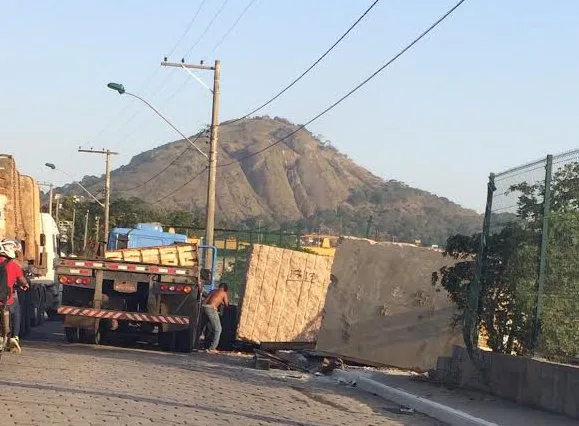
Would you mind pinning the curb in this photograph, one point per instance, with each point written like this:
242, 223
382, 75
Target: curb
433, 409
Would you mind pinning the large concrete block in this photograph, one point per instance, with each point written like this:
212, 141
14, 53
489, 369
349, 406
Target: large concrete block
382, 306
284, 295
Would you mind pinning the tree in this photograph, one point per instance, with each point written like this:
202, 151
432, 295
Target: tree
508, 302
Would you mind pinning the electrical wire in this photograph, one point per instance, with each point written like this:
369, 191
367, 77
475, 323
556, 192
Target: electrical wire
206, 30
355, 89
231, 28
182, 186
164, 169
187, 29
312, 66
283, 90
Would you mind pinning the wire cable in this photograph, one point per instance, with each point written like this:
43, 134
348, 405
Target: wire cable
231, 28
164, 169
182, 186
187, 29
206, 30
355, 89
302, 75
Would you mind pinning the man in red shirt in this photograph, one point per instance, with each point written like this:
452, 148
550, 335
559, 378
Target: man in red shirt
14, 276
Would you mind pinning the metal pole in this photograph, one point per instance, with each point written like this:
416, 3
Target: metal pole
72, 231
50, 196
85, 231
57, 210
107, 202
210, 213
542, 269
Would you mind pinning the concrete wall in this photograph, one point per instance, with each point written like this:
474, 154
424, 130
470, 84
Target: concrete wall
536, 383
382, 308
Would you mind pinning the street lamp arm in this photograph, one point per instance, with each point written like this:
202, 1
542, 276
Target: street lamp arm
167, 121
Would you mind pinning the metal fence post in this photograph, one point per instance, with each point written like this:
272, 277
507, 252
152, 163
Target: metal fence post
474, 289
542, 264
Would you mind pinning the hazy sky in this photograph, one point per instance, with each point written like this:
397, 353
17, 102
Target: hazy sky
495, 86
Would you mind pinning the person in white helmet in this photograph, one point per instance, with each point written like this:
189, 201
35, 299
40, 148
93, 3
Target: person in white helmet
11, 275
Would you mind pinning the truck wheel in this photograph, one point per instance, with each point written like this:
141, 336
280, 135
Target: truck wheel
184, 339
72, 334
24, 300
167, 341
35, 302
41, 306
91, 337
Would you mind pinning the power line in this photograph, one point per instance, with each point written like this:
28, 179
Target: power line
199, 135
189, 26
150, 79
206, 30
289, 86
228, 32
355, 89
276, 96
182, 186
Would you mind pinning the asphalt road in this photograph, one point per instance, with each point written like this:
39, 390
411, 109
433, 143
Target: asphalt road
53, 382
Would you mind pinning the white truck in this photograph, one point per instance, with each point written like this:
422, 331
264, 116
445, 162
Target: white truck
21, 219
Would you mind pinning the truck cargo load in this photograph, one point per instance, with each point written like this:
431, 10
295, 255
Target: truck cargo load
22, 220
178, 255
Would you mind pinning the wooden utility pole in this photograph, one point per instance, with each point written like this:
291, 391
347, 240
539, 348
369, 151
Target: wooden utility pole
107, 153
85, 231
212, 178
72, 230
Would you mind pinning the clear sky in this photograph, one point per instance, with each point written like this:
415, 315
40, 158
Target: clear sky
494, 86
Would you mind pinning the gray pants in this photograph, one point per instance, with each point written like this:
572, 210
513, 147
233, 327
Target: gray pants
214, 325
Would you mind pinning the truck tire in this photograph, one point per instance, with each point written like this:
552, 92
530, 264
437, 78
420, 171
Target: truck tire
72, 334
35, 297
41, 306
184, 340
167, 341
25, 311
90, 337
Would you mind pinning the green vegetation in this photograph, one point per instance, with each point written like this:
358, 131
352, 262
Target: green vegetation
507, 309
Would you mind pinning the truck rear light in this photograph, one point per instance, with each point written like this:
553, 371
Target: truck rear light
74, 280
167, 288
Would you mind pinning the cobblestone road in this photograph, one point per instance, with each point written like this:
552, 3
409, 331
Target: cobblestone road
56, 383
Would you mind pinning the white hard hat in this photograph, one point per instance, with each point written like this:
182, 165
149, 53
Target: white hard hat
9, 248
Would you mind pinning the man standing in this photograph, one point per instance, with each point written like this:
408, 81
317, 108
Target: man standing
10, 275
211, 305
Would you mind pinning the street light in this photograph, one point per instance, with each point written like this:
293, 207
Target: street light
211, 158
53, 167
121, 90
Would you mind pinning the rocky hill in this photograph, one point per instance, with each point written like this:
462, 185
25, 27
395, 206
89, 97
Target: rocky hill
301, 179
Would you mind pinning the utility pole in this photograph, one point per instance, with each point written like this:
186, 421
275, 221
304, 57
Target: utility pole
50, 195
97, 226
72, 230
57, 199
85, 231
212, 178
107, 153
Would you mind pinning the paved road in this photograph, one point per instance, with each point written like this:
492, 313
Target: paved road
53, 382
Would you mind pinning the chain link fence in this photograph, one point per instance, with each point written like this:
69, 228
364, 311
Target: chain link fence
525, 295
